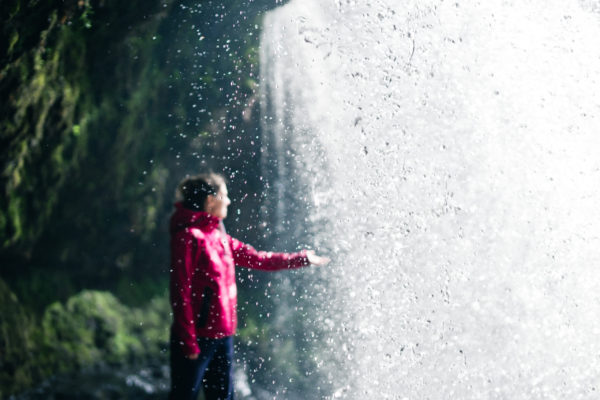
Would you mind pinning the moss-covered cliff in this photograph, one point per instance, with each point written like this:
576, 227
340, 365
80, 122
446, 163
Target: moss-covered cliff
105, 106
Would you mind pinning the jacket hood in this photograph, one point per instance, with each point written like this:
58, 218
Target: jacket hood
184, 218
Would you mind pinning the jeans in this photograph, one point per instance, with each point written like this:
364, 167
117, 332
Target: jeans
213, 370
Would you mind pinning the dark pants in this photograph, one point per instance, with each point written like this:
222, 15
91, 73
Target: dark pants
213, 370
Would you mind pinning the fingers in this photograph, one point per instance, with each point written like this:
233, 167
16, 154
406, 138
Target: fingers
315, 259
323, 261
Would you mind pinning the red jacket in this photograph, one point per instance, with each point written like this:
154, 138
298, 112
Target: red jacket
203, 289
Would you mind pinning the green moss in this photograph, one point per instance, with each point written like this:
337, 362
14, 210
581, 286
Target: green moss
249, 332
3, 222
251, 84
252, 55
17, 331
92, 327
13, 41
88, 328
15, 10
151, 325
76, 130
15, 213
95, 327
86, 15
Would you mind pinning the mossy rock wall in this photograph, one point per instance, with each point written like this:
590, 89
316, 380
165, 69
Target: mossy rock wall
42, 83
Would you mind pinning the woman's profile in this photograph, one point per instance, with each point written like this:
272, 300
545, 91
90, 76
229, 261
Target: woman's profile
203, 290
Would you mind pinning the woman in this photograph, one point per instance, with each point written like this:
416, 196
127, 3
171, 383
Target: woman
203, 290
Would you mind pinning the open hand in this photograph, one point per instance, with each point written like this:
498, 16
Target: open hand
315, 259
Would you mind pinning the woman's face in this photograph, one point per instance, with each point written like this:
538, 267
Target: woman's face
217, 205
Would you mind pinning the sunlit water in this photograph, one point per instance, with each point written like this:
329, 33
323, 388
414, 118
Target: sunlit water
445, 154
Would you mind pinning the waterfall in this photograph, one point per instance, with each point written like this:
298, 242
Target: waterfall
444, 154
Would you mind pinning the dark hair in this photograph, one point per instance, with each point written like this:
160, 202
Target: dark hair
194, 190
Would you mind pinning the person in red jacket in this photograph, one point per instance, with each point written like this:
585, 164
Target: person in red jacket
203, 291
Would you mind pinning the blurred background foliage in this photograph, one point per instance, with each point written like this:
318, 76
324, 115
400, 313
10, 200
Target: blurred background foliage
106, 105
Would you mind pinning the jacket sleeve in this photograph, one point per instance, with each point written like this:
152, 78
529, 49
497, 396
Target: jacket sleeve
245, 255
184, 254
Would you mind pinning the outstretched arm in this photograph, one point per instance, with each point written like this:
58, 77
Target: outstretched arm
245, 255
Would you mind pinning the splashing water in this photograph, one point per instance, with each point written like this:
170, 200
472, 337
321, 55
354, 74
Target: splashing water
446, 154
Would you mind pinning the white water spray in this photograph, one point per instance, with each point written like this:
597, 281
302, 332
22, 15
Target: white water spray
447, 155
